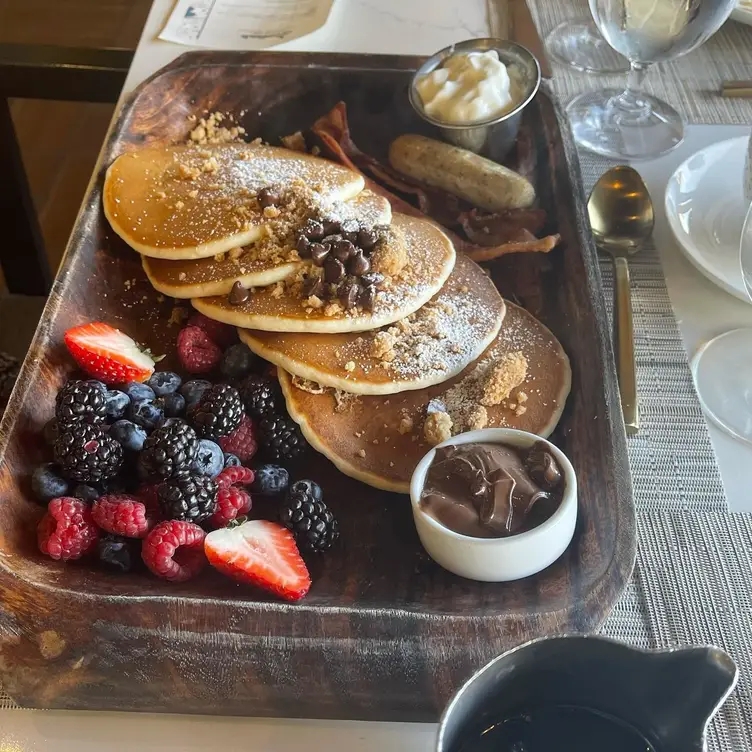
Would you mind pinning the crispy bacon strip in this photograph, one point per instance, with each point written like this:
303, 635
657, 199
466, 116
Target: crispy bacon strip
527, 242
490, 235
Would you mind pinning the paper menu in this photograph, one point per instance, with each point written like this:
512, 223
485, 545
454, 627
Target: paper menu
243, 24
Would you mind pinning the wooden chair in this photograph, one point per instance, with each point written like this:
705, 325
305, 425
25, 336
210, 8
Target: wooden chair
42, 72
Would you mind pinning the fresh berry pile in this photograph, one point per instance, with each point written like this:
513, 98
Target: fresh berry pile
148, 468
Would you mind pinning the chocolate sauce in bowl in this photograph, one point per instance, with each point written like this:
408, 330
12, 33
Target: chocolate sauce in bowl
487, 490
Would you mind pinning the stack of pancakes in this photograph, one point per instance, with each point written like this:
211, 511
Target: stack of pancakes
435, 351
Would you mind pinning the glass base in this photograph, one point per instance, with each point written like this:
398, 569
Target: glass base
721, 371
580, 45
601, 127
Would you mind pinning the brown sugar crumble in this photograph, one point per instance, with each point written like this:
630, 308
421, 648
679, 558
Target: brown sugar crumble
405, 425
210, 130
477, 418
507, 373
390, 255
437, 428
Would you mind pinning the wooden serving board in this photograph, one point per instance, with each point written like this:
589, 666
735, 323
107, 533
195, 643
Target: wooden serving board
385, 633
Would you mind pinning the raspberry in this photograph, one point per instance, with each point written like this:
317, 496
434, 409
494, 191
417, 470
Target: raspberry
220, 334
174, 550
232, 502
67, 531
242, 441
196, 351
121, 515
232, 476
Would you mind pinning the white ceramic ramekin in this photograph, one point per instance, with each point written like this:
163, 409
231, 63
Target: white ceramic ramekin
497, 559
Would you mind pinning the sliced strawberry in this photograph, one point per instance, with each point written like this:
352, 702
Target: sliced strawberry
260, 553
108, 354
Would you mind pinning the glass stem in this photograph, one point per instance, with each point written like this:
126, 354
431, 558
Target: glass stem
630, 106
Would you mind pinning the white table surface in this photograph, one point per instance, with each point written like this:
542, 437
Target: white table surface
702, 310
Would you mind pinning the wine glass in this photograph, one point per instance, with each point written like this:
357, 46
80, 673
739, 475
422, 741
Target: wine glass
722, 369
630, 124
580, 45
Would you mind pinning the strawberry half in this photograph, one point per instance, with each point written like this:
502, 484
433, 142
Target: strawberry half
108, 354
260, 553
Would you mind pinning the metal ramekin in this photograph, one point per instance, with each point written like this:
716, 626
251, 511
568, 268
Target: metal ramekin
495, 137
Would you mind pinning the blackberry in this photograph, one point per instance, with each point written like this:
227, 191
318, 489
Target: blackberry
80, 400
219, 412
192, 498
308, 518
260, 396
169, 450
85, 453
281, 437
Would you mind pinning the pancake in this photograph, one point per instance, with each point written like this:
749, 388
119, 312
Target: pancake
188, 202
430, 258
432, 345
361, 434
264, 262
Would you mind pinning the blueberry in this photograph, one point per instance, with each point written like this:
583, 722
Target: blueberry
129, 435
164, 382
146, 413
86, 493
173, 421
115, 403
307, 487
50, 431
238, 361
232, 461
138, 392
270, 480
116, 553
47, 484
193, 391
209, 459
174, 404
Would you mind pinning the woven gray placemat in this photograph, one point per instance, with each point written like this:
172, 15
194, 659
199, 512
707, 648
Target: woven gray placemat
691, 583
690, 84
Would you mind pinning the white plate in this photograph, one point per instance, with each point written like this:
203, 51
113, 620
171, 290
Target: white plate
743, 12
705, 208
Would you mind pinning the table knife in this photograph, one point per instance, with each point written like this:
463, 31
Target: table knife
511, 19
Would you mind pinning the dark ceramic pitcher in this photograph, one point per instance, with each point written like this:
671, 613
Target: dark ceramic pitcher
668, 696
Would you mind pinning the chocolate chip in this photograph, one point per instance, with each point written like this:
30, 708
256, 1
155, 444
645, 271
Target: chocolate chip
367, 239
350, 228
348, 295
376, 279
358, 264
331, 227
319, 253
304, 247
312, 286
333, 270
268, 197
367, 298
238, 294
330, 240
313, 230
342, 249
